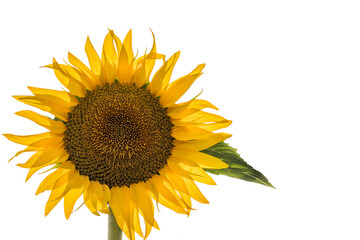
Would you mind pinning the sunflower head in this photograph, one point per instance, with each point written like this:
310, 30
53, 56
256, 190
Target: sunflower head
120, 140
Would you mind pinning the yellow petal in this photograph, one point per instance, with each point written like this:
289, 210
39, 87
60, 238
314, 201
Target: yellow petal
50, 180
179, 185
204, 117
51, 156
177, 88
81, 72
96, 192
55, 108
194, 191
178, 122
194, 103
75, 87
143, 202
201, 159
124, 70
66, 98
79, 64
53, 126
161, 78
28, 149
167, 195
190, 170
148, 229
122, 207
107, 192
215, 126
60, 187
70, 199
187, 200
53, 141
109, 52
78, 181
109, 59
182, 113
31, 160
31, 172
128, 45
75, 74
144, 65
94, 59
54, 198
102, 207
89, 204
64, 179
74, 189
198, 174
175, 166
190, 133
136, 223
27, 139
117, 40
103, 202
181, 110
93, 193
184, 196
200, 144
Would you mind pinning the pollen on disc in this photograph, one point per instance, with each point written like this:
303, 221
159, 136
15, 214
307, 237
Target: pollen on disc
118, 135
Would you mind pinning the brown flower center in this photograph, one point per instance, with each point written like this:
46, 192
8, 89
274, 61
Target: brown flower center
118, 135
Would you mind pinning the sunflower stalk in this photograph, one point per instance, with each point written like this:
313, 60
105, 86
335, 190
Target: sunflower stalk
114, 231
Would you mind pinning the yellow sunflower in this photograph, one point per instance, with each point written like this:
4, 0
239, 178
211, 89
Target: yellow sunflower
120, 141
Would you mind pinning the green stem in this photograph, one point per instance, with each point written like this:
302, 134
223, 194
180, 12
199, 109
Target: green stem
114, 232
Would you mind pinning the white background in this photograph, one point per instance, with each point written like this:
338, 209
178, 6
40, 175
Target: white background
286, 72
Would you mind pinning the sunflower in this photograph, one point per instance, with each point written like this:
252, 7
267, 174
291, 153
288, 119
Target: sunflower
120, 141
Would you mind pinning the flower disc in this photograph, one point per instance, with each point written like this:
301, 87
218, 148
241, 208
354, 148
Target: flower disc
118, 135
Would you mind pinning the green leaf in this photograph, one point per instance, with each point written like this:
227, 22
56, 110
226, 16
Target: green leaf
238, 168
